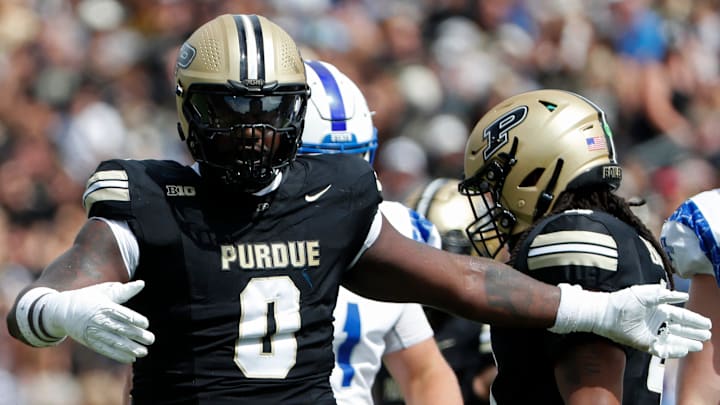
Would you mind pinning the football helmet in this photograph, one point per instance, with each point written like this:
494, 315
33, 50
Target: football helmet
338, 119
241, 96
528, 149
443, 205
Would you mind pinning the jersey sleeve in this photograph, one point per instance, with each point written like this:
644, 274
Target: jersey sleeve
690, 236
131, 191
411, 328
570, 249
107, 192
593, 249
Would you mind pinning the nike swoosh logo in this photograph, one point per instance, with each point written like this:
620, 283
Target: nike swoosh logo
313, 197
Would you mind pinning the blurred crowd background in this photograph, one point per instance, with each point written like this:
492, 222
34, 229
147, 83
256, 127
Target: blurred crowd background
86, 80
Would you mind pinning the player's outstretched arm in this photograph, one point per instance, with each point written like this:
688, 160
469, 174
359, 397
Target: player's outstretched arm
396, 268
79, 295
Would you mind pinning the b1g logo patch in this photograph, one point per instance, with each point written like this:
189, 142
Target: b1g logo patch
496, 134
186, 56
172, 190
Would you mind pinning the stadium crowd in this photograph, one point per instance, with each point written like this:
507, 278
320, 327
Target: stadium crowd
85, 80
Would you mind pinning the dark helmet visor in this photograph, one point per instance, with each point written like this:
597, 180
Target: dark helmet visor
228, 111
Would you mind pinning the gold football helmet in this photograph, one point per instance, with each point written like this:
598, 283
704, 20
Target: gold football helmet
241, 95
527, 150
442, 204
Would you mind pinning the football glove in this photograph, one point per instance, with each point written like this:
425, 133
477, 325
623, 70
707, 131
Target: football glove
640, 316
92, 316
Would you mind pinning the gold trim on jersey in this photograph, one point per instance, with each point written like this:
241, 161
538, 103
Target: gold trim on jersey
574, 237
107, 175
568, 248
107, 185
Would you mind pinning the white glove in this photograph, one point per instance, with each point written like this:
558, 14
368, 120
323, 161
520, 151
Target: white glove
90, 315
639, 316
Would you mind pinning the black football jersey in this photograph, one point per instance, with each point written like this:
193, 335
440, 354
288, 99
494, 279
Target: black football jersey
601, 253
239, 289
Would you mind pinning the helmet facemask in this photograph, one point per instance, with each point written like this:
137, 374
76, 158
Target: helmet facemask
240, 137
441, 202
493, 223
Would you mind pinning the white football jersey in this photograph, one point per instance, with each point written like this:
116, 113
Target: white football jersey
366, 330
690, 235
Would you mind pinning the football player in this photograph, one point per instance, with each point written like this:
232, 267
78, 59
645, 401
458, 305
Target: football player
465, 344
230, 267
369, 333
544, 173
690, 237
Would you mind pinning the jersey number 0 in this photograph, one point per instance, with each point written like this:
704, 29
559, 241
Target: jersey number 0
269, 317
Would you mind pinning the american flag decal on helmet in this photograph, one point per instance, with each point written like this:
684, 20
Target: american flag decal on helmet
596, 143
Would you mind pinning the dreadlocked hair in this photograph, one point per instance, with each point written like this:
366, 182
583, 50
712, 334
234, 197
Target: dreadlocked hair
600, 198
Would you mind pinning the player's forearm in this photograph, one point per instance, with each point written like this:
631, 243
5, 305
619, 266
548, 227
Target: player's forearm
701, 391
698, 379
438, 386
14, 328
93, 258
481, 289
497, 294
423, 375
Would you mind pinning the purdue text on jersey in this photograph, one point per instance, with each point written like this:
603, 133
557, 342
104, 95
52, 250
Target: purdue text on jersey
249, 256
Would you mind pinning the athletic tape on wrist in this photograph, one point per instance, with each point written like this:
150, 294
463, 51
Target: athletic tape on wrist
29, 321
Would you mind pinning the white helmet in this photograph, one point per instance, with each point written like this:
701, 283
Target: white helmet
338, 119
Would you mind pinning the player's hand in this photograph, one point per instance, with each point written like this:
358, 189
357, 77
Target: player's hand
94, 317
639, 316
